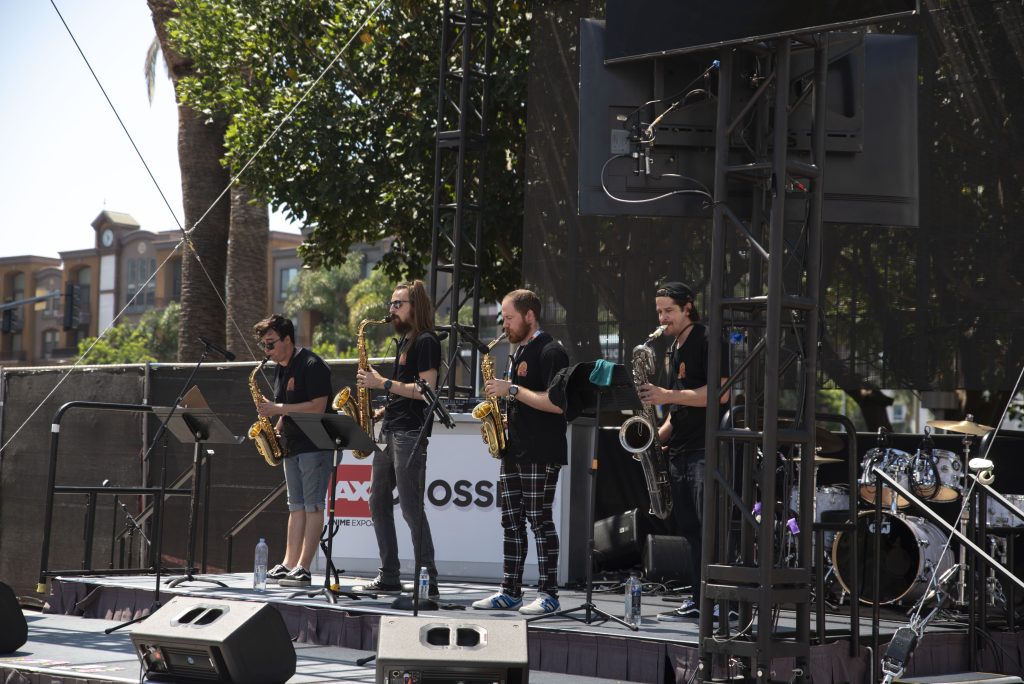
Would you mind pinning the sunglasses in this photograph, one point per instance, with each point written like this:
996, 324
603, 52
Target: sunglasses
269, 344
397, 304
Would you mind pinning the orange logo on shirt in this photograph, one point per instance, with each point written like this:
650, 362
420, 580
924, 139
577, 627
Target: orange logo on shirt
682, 370
291, 384
401, 359
521, 369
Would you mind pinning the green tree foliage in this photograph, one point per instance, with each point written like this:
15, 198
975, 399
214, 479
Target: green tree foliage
340, 298
356, 160
153, 338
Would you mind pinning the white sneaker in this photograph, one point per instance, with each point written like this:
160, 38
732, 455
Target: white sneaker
499, 601
543, 604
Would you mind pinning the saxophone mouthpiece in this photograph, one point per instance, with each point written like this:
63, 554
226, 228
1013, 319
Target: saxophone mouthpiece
657, 332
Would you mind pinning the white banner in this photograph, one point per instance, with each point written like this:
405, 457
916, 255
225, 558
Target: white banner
462, 509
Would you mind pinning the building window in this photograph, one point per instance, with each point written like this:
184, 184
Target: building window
138, 272
51, 338
51, 308
285, 278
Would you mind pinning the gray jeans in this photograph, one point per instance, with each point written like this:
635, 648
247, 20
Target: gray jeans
398, 466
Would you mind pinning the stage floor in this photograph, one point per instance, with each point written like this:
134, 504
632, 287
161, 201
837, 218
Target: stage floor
330, 637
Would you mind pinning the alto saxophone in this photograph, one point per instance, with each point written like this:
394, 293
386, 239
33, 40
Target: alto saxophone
359, 409
492, 425
262, 431
639, 434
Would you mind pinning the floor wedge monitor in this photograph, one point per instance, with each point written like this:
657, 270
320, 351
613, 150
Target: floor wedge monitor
435, 650
198, 639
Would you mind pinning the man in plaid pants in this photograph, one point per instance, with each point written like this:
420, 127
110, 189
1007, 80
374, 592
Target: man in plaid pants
535, 452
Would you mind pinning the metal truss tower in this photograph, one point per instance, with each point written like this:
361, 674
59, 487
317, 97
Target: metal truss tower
467, 33
770, 314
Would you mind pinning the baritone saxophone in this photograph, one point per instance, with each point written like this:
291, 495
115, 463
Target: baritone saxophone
639, 434
359, 408
488, 412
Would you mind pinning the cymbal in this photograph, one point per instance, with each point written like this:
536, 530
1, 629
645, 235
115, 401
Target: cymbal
828, 442
964, 427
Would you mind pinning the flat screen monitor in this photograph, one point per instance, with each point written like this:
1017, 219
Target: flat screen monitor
871, 171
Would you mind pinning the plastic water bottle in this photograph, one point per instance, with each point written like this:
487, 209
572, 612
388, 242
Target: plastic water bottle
424, 582
259, 568
633, 594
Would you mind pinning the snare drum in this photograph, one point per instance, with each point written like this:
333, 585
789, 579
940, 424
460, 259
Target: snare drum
910, 553
831, 504
896, 464
998, 515
938, 477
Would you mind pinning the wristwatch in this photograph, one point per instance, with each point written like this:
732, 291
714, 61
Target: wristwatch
387, 385
513, 390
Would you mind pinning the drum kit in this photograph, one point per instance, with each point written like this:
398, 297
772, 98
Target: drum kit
912, 548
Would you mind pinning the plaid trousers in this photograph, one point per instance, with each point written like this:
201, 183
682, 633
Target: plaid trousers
527, 493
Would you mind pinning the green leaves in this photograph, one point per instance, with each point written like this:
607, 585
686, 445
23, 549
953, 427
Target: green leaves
356, 160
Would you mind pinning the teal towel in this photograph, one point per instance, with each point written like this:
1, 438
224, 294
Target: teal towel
602, 373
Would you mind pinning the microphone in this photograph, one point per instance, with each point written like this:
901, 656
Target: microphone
471, 338
442, 336
210, 344
434, 400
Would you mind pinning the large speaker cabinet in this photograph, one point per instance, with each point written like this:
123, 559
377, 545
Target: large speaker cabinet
435, 650
218, 641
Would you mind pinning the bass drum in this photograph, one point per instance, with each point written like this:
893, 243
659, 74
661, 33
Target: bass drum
910, 550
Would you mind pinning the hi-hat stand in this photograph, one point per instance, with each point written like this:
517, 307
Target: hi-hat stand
334, 432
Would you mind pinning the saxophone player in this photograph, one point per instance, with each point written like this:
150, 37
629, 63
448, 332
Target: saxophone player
535, 452
683, 430
406, 414
302, 384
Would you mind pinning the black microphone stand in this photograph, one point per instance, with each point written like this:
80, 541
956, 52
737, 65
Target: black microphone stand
163, 484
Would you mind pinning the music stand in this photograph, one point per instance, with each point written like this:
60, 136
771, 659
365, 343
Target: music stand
197, 424
333, 432
584, 399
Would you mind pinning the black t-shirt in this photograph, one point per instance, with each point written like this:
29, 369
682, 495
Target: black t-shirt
306, 377
536, 436
421, 355
689, 370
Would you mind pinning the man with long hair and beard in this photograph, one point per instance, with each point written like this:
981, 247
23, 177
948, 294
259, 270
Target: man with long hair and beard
536, 451
407, 413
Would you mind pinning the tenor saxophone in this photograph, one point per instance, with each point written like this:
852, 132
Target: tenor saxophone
639, 434
359, 408
262, 431
492, 425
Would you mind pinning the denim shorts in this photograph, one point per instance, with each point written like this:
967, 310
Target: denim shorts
306, 476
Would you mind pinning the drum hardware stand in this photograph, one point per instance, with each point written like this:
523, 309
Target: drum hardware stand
906, 637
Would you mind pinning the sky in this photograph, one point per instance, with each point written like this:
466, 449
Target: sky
64, 157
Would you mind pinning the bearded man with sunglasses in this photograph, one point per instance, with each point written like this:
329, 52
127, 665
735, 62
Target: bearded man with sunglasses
302, 384
406, 414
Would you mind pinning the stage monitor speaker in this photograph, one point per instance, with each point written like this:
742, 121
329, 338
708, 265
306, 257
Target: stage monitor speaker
436, 650
215, 640
667, 559
13, 627
618, 540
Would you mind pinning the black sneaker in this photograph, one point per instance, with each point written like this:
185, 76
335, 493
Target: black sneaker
686, 612
379, 585
277, 573
298, 577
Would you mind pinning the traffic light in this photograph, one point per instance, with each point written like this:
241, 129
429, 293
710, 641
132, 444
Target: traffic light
72, 306
11, 321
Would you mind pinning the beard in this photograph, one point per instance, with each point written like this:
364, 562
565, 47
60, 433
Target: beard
518, 334
401, 327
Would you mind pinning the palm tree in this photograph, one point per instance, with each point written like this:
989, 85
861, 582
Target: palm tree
240, 262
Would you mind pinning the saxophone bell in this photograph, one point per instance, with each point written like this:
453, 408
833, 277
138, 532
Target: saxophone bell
636, 435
